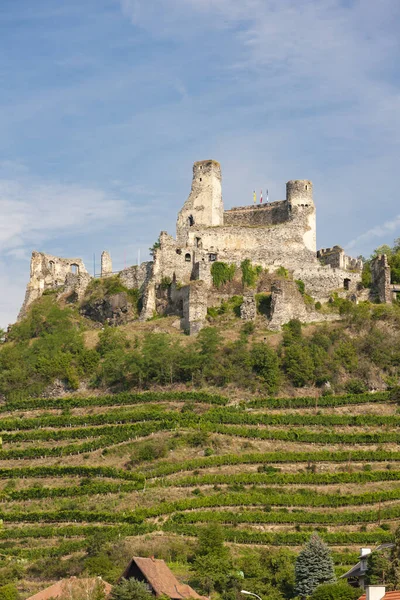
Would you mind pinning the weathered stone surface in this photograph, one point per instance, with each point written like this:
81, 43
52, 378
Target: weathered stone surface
380, 272
287, 303
106, 264
113, 310
49, 272
137, 276
248, 309
271, 213
338, 259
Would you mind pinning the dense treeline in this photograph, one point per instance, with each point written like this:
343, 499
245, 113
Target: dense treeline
48, 344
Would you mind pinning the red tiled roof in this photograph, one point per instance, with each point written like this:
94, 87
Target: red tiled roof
162, 580
64, 586
395, 595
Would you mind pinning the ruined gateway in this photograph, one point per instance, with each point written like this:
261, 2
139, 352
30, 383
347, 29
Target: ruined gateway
179, 280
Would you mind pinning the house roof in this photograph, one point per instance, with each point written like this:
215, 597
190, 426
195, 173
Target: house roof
161, 579
395, 595
353, 572
64, 585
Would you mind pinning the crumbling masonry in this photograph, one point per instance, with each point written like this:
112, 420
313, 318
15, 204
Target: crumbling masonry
274, 235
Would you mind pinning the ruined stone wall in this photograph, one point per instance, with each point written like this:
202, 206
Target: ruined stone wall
337, 258
194, 307
380, 271
137, 276
106, 264
51, 272
321, 281
257, 215
287, 303
173, 260
270, 246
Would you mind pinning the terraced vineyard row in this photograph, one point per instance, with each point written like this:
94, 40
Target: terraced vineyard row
269, 471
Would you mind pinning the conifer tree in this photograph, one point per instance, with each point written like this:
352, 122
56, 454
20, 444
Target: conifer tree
314, 566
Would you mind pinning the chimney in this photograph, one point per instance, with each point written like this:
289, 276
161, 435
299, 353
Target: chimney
375, 592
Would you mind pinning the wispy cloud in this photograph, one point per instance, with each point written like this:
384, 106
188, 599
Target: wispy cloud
382, 232
33, 211
36, 211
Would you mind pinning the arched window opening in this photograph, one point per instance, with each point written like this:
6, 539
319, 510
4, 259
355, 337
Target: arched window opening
212, 257
188, 258
51, 266
75, 269
190, 220
346, 284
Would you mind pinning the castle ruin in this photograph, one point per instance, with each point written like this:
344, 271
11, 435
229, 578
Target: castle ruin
272, 235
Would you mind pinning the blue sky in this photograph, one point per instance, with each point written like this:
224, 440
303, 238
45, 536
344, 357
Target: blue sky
105, 105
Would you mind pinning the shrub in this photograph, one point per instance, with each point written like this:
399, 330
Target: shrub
149, 451
265, 364
165, 283
130, 589
222, 273
250, 273
298, 364
356, 386
335, 591
282, 272
300, 286
8, 592
248, 328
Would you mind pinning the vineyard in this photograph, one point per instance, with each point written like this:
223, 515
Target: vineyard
140, 466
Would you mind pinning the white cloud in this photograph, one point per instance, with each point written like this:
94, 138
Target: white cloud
34, 212
389, 228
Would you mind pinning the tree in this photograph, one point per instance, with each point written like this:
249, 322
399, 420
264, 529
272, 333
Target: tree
394, 568
335, 591
8, 592
314, 566
378, 566
298, 364
130, 589
155, 247
212, 564
265, 364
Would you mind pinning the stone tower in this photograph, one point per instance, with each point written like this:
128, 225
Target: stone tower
204, 206
299, 195
106, 264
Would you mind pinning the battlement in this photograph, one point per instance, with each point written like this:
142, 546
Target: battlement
299, 192
338, 259
259, 215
